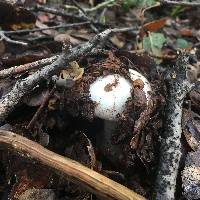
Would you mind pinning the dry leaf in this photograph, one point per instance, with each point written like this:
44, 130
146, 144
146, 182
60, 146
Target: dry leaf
153, 26
66, 37
117, 42
74, 72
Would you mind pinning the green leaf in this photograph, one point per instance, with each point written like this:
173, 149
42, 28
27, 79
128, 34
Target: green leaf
154, 42
127, 4
103, 19
176, 11
181, 43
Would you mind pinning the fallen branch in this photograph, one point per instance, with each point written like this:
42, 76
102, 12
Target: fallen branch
74, 171
48, 28
25, 86
38, 64
26, 67
179, 3
170, 150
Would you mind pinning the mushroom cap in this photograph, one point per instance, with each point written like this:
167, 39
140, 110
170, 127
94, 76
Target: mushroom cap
111, 92
147, 86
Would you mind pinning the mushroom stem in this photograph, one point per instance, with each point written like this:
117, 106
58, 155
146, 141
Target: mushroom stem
109, 128
104, 142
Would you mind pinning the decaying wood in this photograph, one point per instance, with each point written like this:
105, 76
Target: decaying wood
74, 171
170, 151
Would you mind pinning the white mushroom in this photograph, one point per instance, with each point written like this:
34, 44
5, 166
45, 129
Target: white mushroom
110, 94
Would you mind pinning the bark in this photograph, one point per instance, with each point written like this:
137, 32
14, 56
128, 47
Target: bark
170, 150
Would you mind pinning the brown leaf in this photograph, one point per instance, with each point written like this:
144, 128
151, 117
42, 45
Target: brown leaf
63, 37
74, 72
117, 41
186, 32
153, 26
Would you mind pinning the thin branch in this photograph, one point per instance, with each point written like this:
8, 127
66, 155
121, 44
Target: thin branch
26, 67
47, 28
179, 3
25, 86
85, 16
7, 39
38, 112
102, 5
99, 6
79, 7
170, 150
74, 171
65, 14
60, 13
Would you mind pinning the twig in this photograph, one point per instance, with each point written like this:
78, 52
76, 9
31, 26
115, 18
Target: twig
170, 150
86, 17
74, 171
102, 5
37, 114
79, 7
60, 13
179, 3
47, 28
7, 39
65, 14
25, 86
26, 67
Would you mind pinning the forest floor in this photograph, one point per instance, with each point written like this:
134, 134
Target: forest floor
63, 137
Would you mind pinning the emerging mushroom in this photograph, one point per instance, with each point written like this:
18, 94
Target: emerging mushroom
110, 94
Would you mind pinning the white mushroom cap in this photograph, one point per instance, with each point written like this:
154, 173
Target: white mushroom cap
111, 92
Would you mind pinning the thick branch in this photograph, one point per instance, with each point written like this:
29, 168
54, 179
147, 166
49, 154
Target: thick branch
74, 171
39, 64
170, 150
26, 67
